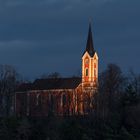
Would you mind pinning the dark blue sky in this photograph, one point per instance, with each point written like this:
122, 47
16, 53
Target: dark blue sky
44, 36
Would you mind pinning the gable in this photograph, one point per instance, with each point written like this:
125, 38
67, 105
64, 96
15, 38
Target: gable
95, 56
86, 55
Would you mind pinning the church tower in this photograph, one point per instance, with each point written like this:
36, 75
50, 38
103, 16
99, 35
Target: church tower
90, 64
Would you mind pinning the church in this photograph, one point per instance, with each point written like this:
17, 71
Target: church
61, 96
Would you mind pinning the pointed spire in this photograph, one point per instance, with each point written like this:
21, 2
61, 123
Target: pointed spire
90, 45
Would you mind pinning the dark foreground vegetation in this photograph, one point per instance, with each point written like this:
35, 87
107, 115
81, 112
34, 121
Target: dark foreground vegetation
116, 113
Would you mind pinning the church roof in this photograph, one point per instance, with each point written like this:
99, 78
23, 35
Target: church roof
50, 84
24, 87
90, 45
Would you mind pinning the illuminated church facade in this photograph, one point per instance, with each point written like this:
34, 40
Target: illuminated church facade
61, 96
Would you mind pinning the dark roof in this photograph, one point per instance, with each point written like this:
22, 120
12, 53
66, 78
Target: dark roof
24, 87
90, 45
49, 84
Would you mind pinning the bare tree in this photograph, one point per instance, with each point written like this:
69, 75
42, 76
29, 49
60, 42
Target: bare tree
134, 80
51, 75
111, 84
7, 88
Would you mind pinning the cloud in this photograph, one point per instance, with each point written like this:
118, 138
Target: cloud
15, 44
50, 2
33, 32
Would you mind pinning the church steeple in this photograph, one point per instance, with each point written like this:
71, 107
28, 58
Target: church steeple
90, 45
89, 63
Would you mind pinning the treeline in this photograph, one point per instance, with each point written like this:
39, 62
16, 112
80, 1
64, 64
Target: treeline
9, 79
116, 113
117, 105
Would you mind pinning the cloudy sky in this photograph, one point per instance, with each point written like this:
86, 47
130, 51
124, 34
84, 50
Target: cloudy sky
43, 36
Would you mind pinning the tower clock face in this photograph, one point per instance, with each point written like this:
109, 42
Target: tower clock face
86, 61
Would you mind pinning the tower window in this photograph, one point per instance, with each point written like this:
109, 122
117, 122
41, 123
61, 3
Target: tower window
94, 72
86, 72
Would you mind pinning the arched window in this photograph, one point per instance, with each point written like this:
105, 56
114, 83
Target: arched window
52, 101
86, 72
64, 99
94, 72
38, 99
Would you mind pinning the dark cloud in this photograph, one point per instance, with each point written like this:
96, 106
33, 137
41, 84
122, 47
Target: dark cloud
50, 35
